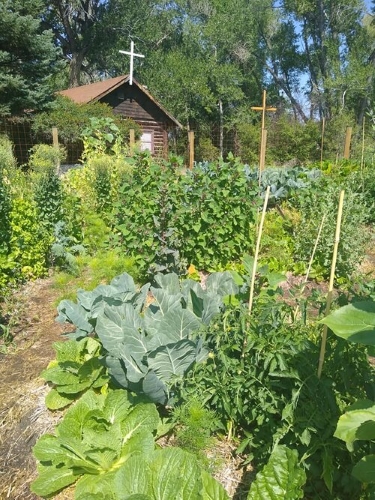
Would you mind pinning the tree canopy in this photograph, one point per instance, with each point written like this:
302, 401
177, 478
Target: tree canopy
206, 60
28, 57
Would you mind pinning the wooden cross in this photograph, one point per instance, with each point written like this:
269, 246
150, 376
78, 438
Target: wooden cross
132, 54
264, 108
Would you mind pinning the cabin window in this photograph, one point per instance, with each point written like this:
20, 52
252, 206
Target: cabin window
147, 141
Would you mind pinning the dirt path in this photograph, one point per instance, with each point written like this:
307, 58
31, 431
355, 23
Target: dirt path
23, 417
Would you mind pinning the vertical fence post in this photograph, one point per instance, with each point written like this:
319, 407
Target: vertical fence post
55, 140
348, 139
191, 149
131, 141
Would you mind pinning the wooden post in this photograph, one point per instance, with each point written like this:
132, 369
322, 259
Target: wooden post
348, 139
131, 141
191, 149
55, 140
264, 108
263, 146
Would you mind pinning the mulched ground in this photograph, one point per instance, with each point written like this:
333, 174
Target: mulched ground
23, 416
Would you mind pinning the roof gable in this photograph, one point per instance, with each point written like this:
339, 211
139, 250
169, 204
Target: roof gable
94, 92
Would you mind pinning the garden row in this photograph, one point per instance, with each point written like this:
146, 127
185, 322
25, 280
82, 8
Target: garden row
170, 342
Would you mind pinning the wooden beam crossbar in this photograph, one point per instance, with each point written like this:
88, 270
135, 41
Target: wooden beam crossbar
264, 109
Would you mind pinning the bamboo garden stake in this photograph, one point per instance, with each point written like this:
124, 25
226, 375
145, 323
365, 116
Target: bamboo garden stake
331, 280
311, 259
252, 283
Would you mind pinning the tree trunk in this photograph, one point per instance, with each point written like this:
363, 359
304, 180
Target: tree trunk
221, 130
75, 68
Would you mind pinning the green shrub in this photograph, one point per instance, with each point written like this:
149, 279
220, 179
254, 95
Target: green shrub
44, 157
5, 211
30, 242
203, 218
315, 203
48, 196
7, 159
71, 118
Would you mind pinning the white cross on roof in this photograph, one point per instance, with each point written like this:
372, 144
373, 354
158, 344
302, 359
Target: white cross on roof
132, 55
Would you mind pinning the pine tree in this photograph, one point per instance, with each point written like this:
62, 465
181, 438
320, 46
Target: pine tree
28, 57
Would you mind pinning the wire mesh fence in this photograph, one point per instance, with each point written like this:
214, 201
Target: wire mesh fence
286, 144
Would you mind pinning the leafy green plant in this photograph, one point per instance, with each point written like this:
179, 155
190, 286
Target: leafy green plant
148, 348
260, 379
206, 215
71, 118
102, 186
44, 157
102, 136
105, 445
194, 427
281, 477
65, 249
5, 211
7, 159
30, 242
48, 196
353, 237
356, 323
76, 369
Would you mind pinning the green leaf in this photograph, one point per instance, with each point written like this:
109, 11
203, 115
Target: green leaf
364, 470
179, 324
281, 477
212, 489
134, 477
75, 314
172, 360
354, 322
356, 424
96, 486
51, 480
48, 449
143, 416
55, 401
175, 474
154, 388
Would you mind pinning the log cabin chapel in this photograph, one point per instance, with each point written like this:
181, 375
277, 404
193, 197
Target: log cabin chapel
131, 101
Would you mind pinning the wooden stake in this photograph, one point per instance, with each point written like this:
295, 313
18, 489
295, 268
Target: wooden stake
55, 140
311, 260
264, 108
252, 283
131, 141
348, 139
263, 146
331, 281
191, 149
322, 142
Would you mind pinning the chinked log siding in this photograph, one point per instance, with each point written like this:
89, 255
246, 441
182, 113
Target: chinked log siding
131, 101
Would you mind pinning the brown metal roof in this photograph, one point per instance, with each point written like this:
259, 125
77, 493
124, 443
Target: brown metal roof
95, 91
